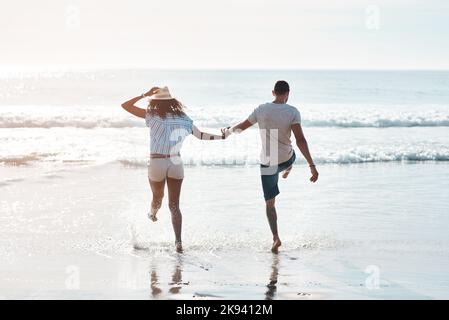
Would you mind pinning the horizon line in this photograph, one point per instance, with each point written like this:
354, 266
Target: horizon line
106, 68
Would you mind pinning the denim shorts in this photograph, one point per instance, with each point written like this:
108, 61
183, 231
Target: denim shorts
270, 177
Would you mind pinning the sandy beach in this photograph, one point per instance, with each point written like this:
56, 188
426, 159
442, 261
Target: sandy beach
81, 232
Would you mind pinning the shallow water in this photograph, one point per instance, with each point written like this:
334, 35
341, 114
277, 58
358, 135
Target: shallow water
74, 193
364, 231
348, 116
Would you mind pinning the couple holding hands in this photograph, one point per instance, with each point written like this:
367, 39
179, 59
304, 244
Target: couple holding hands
169, 125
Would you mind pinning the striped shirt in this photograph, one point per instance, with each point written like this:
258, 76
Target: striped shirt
167, 135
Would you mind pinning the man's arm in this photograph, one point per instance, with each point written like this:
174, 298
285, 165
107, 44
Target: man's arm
242, 126
238, 128
301, 142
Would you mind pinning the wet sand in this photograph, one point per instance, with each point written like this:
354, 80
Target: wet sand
363, 232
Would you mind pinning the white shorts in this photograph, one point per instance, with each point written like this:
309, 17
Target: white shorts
161, 168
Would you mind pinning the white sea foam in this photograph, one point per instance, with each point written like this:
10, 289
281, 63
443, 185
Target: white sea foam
218, 117
129, 146
336, 135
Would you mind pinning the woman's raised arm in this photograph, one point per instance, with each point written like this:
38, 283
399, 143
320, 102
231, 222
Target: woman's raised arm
130, 104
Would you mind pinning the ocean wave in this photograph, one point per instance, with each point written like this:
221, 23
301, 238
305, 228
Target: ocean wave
378, 123
350, 157
23, 160
18, 122
104, 117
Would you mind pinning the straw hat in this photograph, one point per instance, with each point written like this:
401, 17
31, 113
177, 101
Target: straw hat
162, 94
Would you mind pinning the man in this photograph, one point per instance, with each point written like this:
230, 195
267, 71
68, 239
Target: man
276, 121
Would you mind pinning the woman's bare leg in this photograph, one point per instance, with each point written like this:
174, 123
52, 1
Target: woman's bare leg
174, 192
157, 187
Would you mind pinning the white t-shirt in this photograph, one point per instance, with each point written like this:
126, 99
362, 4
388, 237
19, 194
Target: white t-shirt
275, 121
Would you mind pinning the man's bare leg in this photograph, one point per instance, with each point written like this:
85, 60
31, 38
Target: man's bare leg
272, 220
287, 172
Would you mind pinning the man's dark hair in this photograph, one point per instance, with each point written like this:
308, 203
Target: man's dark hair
281, 87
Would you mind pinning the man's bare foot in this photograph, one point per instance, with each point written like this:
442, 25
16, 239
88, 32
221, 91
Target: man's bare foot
178, 245
276, 244
287, 172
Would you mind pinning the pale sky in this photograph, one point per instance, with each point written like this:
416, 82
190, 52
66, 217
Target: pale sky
341, 34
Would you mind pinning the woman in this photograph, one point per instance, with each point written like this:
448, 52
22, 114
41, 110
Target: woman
169, 126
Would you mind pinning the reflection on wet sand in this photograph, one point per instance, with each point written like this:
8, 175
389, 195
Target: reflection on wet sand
176, 281
176, 284
155, 290
271, 292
